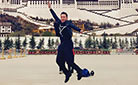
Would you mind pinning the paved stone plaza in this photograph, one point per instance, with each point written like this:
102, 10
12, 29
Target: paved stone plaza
42, 70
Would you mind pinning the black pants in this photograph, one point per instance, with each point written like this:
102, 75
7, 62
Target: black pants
69, 68
66, 54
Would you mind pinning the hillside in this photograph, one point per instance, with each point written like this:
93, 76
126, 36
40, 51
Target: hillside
18, 24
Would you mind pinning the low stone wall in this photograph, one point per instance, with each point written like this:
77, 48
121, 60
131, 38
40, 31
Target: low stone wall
77, 52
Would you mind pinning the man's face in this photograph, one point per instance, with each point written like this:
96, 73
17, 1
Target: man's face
63, 18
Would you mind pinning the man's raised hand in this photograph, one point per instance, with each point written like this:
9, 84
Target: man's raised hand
49, 5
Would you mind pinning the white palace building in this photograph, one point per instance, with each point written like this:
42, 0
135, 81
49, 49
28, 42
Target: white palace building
99, 11
82, 4
77, 9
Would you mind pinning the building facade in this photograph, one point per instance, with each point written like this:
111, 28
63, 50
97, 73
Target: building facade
80, 4
5, 29
83, 4
8, 2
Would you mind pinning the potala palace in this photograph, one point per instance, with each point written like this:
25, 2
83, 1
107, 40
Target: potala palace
113, 11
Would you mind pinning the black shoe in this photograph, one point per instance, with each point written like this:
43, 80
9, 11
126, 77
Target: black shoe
79, 76
67, 77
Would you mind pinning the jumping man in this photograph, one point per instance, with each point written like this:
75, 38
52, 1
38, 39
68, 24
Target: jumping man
63, 28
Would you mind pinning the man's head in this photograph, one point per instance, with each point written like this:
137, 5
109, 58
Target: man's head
64, 16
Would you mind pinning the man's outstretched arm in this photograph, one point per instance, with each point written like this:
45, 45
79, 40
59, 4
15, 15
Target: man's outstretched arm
75, 28
52, 12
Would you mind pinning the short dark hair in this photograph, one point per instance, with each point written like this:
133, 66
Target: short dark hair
64, 13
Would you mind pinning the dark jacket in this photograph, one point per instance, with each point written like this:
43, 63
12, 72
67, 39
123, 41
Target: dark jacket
63, 30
